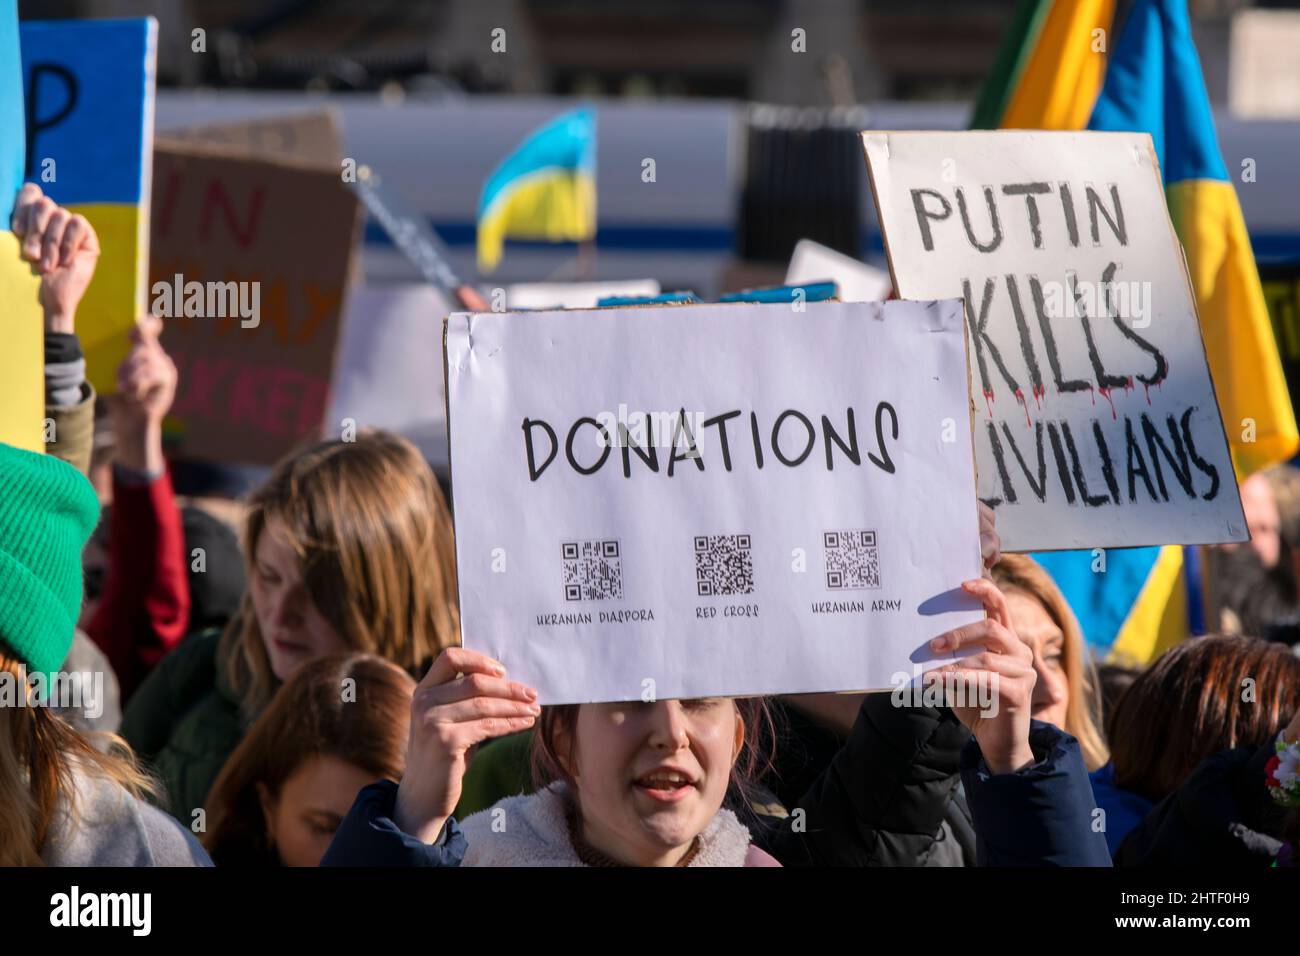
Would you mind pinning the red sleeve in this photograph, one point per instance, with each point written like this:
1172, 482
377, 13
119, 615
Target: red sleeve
145, 607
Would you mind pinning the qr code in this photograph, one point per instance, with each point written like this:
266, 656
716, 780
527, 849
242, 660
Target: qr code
592, 571
723, 565
852, 560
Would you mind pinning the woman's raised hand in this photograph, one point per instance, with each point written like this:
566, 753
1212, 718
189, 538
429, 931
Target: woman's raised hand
463, 700
992, 690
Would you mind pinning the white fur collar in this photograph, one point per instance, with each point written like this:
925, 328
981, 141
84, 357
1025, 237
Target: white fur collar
532, 830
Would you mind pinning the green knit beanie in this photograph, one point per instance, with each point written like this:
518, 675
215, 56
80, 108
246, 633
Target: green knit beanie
47, 511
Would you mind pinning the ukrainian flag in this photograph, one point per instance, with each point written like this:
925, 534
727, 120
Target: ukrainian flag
22, 367
1147, 599
1049, 69
545, 189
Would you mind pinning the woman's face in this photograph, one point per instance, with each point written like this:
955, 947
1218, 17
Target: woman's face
1037, 629
293, 630
650, 776
312, 802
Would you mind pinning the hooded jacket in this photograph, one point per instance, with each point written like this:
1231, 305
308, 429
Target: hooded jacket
537, 834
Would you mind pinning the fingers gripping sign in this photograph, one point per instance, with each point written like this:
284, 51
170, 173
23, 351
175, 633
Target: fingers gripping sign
63, 249
464, 700
1002, 662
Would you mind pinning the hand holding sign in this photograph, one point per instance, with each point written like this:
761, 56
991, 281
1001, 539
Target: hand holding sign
64, 249
1007, 664
464, 700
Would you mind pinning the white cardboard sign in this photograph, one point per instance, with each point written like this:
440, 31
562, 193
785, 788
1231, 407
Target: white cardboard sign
1096, 423
574, 295
785, 503
388, 371
858, 281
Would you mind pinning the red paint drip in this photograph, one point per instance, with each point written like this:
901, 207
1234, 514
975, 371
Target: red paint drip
1020, 397
1040, 393
1105, 393
1147, 388
988, 401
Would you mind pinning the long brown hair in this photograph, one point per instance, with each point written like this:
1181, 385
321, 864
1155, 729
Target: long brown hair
372, 531
1194, 701
40, 754
315, 713
1017, 572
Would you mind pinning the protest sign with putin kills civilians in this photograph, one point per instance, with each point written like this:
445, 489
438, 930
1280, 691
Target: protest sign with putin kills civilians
713, 500
90, 111
1096, 420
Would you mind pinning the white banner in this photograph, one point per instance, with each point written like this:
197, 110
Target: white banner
697, 501
1096, 422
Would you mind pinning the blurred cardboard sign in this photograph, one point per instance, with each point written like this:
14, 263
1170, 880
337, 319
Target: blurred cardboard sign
309, 138
389, 371
1096, 419
250, 266
22, 387
574, 295
776, 485
858, 282
90, 99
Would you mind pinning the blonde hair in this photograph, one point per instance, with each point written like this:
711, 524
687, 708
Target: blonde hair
1017, 572
39, 756
372, 532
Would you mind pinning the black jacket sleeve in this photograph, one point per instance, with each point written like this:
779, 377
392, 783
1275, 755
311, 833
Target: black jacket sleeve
881, 801
1042, 815
369, 837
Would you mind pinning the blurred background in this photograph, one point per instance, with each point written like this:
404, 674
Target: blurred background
754, 144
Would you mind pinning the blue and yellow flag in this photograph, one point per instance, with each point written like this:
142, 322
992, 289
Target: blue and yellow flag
22, 370
1049, 68
90, 104
545, 189
1149, 598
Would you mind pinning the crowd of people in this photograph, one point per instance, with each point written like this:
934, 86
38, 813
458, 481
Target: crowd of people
285, 685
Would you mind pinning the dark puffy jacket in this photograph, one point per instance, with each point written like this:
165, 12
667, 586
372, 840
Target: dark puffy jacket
1221, 816
184, 722
880, 802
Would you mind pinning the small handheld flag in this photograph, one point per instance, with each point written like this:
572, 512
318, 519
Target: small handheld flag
545, 189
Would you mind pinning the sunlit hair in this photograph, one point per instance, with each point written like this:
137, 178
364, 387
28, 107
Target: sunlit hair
371, 530
558, 722
1016, 572
1194, 701
40, 757
315, 714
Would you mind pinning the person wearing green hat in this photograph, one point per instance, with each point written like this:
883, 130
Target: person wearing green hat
66, 802
66, 797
